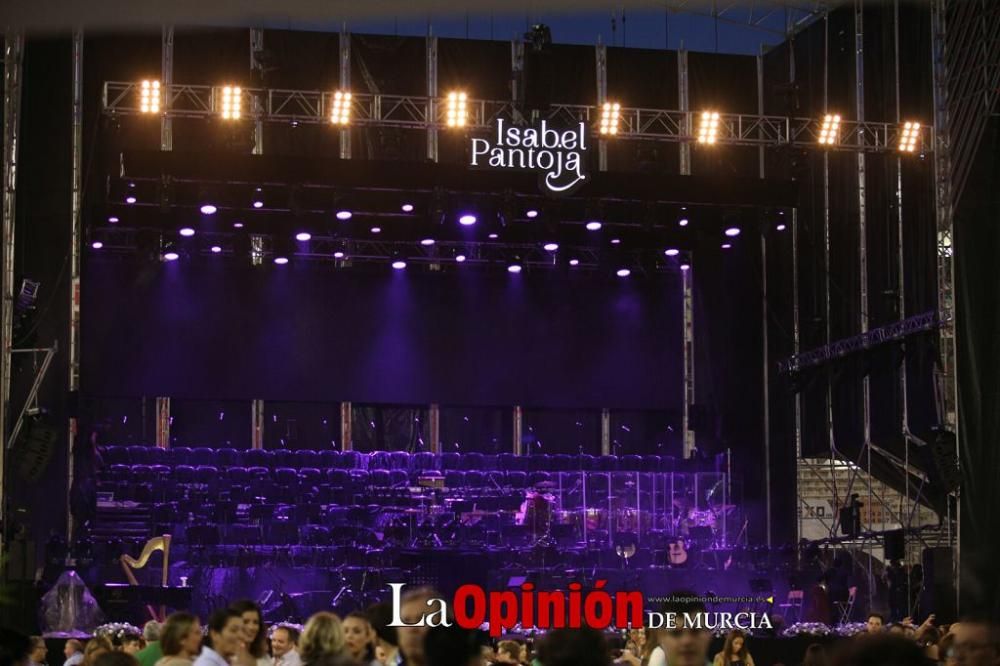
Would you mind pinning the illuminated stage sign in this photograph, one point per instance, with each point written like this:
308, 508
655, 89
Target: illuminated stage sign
557, 155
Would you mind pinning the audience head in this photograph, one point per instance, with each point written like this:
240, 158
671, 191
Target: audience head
815, 656
412, 607
95, 647
974, 642
151, 631
225, 631
874, 623
130, 643
72, 647
453, 646
882, 650
684, 646
38, 650
254, 632
508, 652
115, 658
576, 647
322, 638
14, 648
180, 636
283, 640
359, 638
736, 644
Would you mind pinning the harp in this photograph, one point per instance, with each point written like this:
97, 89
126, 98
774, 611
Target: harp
129, 564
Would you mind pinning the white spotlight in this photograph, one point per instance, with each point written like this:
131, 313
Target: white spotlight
149, 97
232, 102
908, 139
708, 127
829, 131
457, 109
610, 113
340, 114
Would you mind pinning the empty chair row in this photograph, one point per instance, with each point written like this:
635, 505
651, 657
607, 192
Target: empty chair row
388, 460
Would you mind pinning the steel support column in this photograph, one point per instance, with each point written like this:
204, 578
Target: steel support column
796, 345
345, 85
434, 427
601, 58
256, 49
518, 417
605, 432
687, 279
167, 80
257, 424
432, 94
163, 422
74, 263
682, 101
346, 420
766, 366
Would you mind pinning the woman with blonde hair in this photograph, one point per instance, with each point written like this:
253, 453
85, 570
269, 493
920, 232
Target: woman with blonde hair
180, 640
95, 647
322, 642
734, 652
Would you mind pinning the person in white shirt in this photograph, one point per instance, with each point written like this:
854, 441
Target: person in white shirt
284, 640
225, 636
73, 651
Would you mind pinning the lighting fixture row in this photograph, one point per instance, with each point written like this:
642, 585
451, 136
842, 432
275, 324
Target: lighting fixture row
457, 115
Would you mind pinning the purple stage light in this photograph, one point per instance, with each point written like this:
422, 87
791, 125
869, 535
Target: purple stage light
532, 214
683, 222
216, 249
685, 267
550, 247
726, 246
171, 256
338, 255
780, 227
131, 184
303, 236
623, 272
574, 262
672, 252
237, 225
187, 232
344, 215
781, 212
493, 236
208, 209
130, 199
113, 219
514, 268
460, 258
732, 232
616, 241
594, 225
97, 245
399, 265
427, 242
467, 220
376, 230
281, 261
407, 208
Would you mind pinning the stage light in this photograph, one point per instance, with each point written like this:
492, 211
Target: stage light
550, 247
399, 264
376, 230
258, 204
258, 199
344, 215
574, 262
623, 272
514, 268
457, 109
237, 225
726, 246
130, 199
467, 220
683, 222
672, 252
113, 219
427, 242
708, 127
208, 209
341, 112
732, 232
908, 139
685, 267
170, 256
531, 214
407, 208
232, 102
338, 255
97, 245
216, 249
149, 97
303, 236
460, 258
610, 113
281, 261
493, 236
594, 225
829, 130
780, 227
187, 232
616, 241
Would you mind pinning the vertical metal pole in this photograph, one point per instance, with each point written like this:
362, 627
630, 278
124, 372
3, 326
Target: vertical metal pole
765, 350
517, 72
605, 432
167, 81
13, 50
163, 422
74, 295
689, 395
434, 425
682, 98
826, 243
345, 85
760, 110
346, 418
518, 426
257, 424
796, 347
601, 57
432, 97
256, 47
